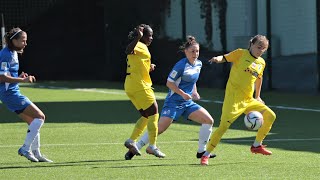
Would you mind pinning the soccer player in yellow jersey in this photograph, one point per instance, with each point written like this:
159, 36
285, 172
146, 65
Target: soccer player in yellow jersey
245, 78
138, 88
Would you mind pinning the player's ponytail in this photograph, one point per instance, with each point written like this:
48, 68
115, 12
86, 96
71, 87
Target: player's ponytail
191, 40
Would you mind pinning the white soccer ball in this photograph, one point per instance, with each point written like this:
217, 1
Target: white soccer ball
253, 120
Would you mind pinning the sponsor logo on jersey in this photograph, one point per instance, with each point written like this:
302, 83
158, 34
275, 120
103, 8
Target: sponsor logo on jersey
252, 72
166, 112
173, 74
4, 66
259, 66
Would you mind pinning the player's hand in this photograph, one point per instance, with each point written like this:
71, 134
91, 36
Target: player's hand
29, 79
214, 59
259, 99
195, 96
186, 96
140, 32
152, 67
23, 75
217, 59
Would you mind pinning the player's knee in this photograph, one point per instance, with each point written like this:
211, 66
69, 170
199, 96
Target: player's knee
208, 120
269, 115
41, 116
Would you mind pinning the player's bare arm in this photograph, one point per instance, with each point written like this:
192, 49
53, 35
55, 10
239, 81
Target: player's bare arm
195, 94
177, 90
217, 59
258, 85
130, 47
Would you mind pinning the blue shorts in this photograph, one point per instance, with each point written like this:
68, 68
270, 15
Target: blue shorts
175, 111
15, 102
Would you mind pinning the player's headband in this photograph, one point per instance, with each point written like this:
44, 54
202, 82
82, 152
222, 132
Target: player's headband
15, 34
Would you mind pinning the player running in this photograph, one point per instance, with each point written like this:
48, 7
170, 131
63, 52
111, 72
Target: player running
16, 41
182, 89
138, 88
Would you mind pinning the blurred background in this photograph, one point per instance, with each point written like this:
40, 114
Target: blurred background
85, 39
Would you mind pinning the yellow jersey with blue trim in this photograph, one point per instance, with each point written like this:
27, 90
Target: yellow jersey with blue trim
244, 71
138, 69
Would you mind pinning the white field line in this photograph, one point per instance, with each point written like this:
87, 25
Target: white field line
171, 142
202, 100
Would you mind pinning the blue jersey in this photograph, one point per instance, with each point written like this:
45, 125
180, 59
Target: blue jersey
9, 92
9, 66
185, 76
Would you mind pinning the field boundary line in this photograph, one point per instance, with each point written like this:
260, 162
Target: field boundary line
202, 100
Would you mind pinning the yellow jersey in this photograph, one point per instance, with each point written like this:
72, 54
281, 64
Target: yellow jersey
138, 69
244, 71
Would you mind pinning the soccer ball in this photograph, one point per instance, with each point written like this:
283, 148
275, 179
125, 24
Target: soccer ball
253, 120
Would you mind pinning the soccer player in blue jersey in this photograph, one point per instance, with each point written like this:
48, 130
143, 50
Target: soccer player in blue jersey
179, 101
16, 41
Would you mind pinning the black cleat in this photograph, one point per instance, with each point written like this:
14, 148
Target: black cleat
199, 155
129, 155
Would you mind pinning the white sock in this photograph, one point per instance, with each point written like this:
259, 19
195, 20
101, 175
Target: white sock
204, 135
256, 143
33, 130
35, 146
206, 153
143, 140
152, 146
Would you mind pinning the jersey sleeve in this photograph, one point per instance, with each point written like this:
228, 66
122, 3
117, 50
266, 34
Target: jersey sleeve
5, 65
176, 72
234, 55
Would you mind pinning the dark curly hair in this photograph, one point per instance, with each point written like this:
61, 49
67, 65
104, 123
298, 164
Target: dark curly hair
133, 33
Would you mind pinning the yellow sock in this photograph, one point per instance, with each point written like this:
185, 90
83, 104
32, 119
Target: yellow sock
217, 135
141, 124
153, 128
269, 117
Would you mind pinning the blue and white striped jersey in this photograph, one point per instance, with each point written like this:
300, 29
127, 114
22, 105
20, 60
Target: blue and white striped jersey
185, 76
9, 65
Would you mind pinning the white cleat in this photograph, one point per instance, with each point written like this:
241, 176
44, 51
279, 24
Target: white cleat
156, 152
132, 146
27, 154
41, 158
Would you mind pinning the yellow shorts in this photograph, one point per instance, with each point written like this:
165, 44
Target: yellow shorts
234, 105
142, 99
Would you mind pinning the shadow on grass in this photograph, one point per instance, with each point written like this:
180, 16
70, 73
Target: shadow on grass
60, 164
169, 165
